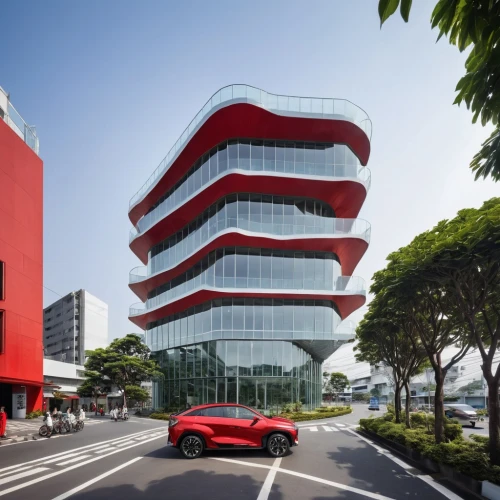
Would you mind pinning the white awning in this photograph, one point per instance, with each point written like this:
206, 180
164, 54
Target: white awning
48, 395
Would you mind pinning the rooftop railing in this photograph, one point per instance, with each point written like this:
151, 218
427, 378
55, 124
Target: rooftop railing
311, 107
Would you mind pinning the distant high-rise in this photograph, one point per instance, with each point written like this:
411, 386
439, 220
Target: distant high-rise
74, 324
250, 234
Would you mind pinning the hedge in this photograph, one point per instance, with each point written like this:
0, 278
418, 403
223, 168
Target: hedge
160, 416
316, 415
469, 458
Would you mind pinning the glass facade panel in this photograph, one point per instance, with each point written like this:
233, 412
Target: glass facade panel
254, 374
292, 157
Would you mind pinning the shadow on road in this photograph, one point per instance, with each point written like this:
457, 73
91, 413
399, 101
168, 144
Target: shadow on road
192, 485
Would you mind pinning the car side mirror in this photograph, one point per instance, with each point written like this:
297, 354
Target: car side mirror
256, 419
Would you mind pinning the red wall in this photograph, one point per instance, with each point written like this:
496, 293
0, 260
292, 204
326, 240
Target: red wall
21, 248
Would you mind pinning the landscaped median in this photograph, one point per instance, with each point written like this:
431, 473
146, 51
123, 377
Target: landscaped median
457, 459
296, 416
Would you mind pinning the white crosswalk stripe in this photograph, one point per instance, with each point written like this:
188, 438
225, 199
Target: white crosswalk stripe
327, 429
313, 429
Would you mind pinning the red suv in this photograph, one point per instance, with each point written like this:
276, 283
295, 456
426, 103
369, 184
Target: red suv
230, 426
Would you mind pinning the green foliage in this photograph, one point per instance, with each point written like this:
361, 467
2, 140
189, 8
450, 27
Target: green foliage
160, 416
338, 382
472, 24
482, 441
335, 411
483, 412
469, 458
34, 414
375, 392
471, 387
125, 363
360, 396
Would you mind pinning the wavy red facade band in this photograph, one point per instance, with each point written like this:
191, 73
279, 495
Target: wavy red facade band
250, 121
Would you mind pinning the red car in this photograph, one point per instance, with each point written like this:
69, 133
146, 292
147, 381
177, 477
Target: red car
230, 426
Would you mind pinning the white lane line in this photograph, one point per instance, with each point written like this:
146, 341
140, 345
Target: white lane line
364, 493
126, 443
268, 483
81, 457
340, 425
15, 477
71, 467
106, 450
334, 429
64, 453
327, 429
439, 487
17, 470
95, 480
426, 479
314, 429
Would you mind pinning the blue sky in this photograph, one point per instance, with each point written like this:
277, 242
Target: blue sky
111, 85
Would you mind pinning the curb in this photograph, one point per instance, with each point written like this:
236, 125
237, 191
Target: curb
18, 439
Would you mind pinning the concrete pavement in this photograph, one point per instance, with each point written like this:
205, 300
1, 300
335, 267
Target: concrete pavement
129, 460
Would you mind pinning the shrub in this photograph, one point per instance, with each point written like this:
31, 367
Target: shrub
160, 416
316, 415
483, 412
34, 414
453, 431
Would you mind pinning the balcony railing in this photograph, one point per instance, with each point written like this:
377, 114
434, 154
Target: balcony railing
192, 243
19, 126
331, 109
345, 285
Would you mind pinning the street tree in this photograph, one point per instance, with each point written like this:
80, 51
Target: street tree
473, 25
93, 386
125, 363
471, 387
338, 383
382, 339
427, 315
462, 257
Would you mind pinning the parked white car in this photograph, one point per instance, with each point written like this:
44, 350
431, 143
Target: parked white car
462, 413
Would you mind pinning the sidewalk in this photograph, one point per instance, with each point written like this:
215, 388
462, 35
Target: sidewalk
22, 430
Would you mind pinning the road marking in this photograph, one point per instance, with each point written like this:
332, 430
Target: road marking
107, 450
71, 467
334, 429
340, 425
64, 453
126, 443
364, 493
15, 477
314, 429
407, 467
95, 480
17, 470
439, 487
327, 429
268, 483
81, 457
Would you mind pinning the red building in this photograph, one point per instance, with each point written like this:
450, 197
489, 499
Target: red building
21, 264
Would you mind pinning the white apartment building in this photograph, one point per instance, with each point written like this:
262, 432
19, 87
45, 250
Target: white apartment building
74, 324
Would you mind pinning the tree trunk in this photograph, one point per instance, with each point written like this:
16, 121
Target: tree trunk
397, 403
494, 413
439, 405
407, 408
96, 399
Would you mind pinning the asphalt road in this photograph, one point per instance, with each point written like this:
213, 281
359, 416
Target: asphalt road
129, 460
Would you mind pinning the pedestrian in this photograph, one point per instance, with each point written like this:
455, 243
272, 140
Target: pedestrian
3, 423
48, 423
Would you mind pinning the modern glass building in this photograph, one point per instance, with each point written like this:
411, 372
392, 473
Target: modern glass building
249, 236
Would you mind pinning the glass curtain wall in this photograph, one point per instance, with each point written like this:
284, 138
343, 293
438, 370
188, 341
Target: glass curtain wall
262, 374
270, 156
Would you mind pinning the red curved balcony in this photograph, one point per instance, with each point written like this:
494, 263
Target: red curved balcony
345, 197
349, 295
243, 111
347, 238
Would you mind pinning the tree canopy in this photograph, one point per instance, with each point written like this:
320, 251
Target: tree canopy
125, 363
471, 24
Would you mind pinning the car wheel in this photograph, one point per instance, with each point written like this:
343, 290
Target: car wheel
473, 424
191, 447
278, 445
